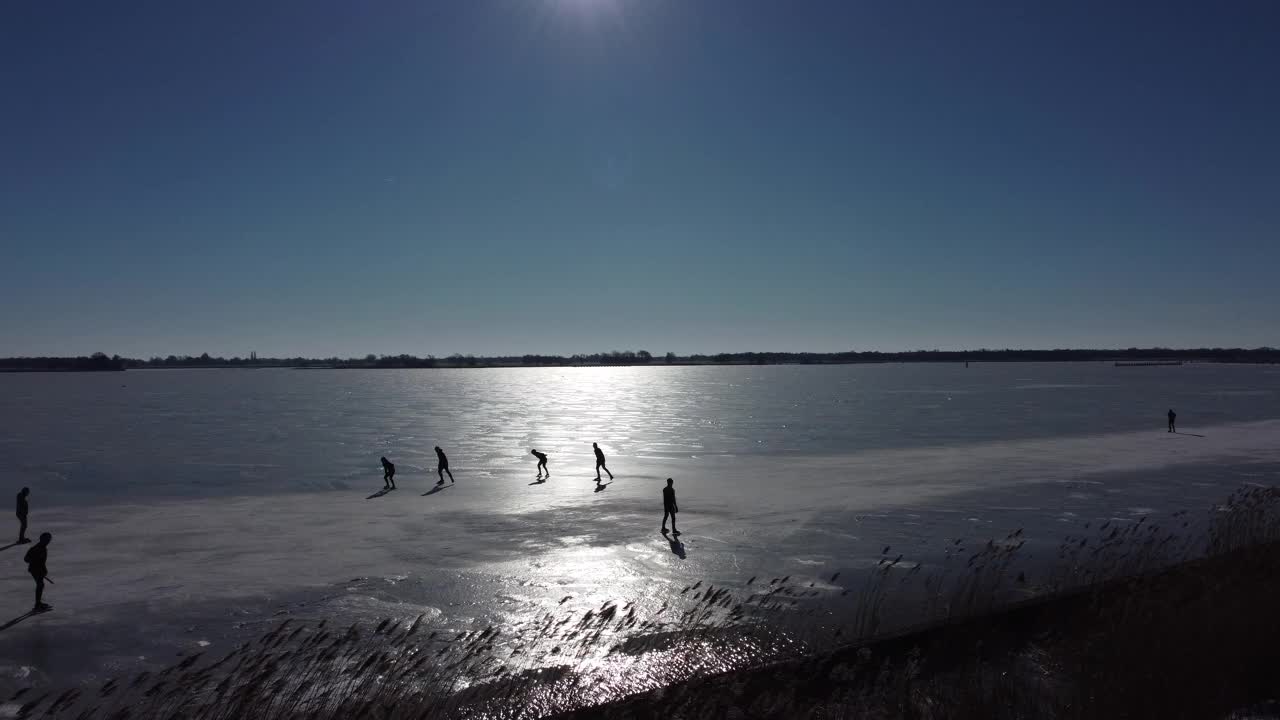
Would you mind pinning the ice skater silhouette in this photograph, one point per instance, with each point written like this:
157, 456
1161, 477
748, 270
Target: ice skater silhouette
600, 462
542, 462
388, 474
669, 507
1173, 417
36, 558
22, 515
443, 466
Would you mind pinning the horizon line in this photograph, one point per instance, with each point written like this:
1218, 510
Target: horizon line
660, 355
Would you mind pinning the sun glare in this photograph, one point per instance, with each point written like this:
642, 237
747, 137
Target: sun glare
587, 10
583, 5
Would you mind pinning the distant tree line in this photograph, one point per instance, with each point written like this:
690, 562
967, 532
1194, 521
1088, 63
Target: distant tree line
101, 361
94, 362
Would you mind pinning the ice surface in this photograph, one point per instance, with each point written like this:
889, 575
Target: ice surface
139, 582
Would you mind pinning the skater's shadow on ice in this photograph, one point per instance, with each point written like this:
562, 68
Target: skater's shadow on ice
380, 493
1179, 432
17, 620
539, 481
602, 486
677, 547
436, 489
6, 547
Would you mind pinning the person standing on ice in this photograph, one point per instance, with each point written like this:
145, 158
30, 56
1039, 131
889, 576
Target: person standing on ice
542, 462
443, 466
1173, 416
669, 507
600, 462
388, 474
22, 516
35, 559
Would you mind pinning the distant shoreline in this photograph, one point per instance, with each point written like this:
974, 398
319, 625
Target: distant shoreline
1132, 357
59, 370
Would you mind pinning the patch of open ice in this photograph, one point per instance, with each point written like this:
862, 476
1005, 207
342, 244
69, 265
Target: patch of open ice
742, 516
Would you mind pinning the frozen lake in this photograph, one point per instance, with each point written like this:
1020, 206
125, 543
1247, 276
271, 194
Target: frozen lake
193, 508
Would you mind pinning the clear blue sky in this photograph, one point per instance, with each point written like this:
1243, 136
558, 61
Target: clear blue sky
317, 177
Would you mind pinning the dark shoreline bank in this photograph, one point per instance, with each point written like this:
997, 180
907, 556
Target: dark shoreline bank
60, 370
1200, 639
1131, 357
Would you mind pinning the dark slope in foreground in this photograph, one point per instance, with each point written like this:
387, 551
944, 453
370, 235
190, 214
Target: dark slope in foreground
1199, 640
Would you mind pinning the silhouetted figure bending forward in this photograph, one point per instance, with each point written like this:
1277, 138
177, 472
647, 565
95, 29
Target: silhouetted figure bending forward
1173, 417
388, 474
36, 558
443, 466
600, 461
669, 507
22, 515
542, 462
